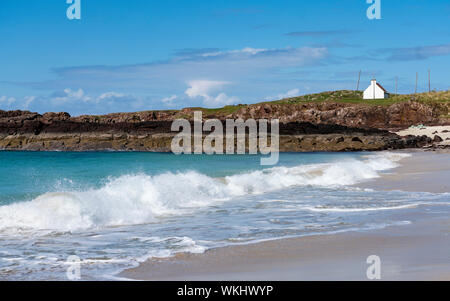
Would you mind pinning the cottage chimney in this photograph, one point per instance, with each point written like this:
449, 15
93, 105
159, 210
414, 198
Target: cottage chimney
375, 91
374, 84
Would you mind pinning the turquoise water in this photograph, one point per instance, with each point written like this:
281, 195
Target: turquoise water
26, 175
114, 210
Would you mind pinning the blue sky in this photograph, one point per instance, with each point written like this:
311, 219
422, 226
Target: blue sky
143, 54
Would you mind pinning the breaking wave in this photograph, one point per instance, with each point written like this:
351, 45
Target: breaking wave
142, 198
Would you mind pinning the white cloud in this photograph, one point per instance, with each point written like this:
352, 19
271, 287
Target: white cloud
70, 95
252, 51
220, 100
204, 88
77, 102
28, 100
253, 68
169, 100
246, 51
258, 72
7, 100
109, 95
12, 103
289, 94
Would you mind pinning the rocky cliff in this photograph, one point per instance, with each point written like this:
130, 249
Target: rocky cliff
321, 126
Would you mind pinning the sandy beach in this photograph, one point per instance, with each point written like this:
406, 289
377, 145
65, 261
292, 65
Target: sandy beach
418, 250
431, 131
425, 171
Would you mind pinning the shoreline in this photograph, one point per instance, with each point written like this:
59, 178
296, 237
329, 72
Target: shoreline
418, 251
409, 252
424, 172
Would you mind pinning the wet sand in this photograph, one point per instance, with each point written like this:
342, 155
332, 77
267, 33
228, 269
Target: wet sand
425, 171
418, 251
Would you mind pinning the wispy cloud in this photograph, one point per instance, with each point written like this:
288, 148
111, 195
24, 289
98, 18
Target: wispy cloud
169, 101
189, 52
71, 95
336, 43
317, 33
416, 53
208, 77
6, 101
248, 68
223, 64
288, 94
76, 102
238, 11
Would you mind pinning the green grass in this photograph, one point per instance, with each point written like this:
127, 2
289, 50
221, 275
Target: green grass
219, 111
341, 96
356, 97
344, 95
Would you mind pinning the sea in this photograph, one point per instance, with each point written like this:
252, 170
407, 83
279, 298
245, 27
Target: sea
114, 210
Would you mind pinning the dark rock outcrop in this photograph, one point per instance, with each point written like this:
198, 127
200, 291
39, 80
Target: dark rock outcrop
322, 126
437, 139
396, 116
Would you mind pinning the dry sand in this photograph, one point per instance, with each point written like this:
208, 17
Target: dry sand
420, 251
430, 131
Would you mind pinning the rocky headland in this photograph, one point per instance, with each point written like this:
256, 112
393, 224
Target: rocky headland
305, 125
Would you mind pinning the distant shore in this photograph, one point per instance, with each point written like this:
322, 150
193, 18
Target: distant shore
326, 122
416, 251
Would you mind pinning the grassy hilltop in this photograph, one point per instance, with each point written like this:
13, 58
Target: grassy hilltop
344, 96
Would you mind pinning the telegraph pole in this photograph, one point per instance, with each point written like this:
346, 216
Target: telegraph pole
429, 81
359, 78
396, 85
417, 79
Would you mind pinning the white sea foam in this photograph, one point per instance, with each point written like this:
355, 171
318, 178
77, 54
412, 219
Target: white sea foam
337, 209
140, 199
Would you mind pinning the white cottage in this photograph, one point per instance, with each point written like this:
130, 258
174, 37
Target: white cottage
375, 91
